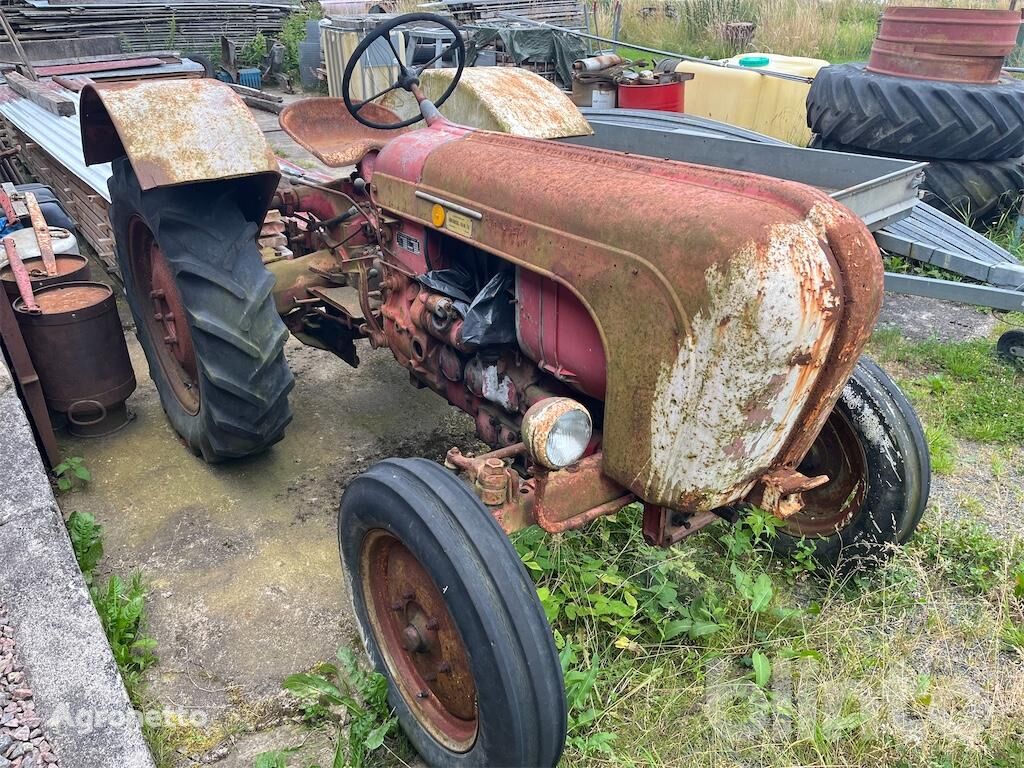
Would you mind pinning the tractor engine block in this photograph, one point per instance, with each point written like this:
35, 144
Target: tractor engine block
494, 385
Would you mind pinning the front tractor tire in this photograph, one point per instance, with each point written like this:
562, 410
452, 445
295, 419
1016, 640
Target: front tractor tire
875, 453
450, 616
204, 313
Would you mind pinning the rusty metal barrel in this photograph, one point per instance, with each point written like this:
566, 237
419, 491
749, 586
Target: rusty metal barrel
963, 45
79, 352
71, 266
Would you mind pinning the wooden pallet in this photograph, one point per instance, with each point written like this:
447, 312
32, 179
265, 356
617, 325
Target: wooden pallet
88, 209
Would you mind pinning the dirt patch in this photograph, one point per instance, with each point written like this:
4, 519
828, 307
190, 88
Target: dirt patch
919, 318
242, 558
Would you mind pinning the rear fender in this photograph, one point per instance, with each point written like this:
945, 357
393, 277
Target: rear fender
180, 132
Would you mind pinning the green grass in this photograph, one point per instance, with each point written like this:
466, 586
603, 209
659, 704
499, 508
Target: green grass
961, 388
837, 31
678, 658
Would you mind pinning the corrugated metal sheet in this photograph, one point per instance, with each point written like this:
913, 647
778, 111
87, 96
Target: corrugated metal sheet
61, 137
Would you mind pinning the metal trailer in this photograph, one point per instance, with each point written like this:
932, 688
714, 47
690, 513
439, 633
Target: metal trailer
880, 190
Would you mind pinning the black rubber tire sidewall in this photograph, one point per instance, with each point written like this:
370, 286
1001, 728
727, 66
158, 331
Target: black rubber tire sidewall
923, 118
521, 700
202, 231
898, 475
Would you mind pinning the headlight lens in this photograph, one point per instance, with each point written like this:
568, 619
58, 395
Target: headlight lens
556, 431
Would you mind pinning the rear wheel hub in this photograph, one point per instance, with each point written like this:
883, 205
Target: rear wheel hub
164, 314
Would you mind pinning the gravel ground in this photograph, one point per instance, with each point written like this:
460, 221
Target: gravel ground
22, 744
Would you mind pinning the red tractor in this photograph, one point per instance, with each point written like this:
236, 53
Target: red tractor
699, 356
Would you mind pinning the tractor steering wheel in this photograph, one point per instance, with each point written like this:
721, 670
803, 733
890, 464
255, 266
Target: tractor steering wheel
408, 77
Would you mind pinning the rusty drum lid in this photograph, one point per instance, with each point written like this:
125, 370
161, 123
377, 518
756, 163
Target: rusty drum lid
67, 297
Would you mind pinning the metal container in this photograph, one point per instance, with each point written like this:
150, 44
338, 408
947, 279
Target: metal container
603, 96
80, 355
964, 45
663, 97
71, 266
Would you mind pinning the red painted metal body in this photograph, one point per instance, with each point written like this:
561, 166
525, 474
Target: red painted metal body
953, 44
555, 329
729, 318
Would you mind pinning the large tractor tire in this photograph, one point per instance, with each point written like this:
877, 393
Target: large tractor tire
920, 118
450, 616
977, 192
875, 453
204, 313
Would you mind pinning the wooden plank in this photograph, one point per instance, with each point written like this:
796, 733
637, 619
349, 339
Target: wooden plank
44, 97
97, 66
245, 90
266, 106
75, 84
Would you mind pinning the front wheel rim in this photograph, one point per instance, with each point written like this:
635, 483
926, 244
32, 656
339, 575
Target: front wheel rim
838, 453
419, 641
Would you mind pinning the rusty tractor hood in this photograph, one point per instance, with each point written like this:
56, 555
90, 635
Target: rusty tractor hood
732, 307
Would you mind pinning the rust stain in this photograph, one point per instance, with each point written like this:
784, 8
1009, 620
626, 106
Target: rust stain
787, 275
325, 128
174, 131
503, 99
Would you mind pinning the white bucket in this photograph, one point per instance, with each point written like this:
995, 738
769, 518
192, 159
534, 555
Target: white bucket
604, 96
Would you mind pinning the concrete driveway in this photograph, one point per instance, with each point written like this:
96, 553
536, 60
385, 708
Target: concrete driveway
242, 558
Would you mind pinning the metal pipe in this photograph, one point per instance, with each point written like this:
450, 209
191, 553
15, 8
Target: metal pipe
42, 230
20, 277
612, 41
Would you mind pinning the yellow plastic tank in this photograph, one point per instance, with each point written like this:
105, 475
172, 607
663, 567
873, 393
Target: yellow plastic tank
743, 97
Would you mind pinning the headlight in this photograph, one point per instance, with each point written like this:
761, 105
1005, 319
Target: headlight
556, 431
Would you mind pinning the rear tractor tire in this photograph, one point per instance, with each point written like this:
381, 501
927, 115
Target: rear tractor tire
874, 451
450, 616
204, 313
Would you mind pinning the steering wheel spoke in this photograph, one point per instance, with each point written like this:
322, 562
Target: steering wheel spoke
408, 76
360, 104
423, 67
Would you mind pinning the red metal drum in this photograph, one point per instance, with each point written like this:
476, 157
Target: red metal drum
665, 97
964, 45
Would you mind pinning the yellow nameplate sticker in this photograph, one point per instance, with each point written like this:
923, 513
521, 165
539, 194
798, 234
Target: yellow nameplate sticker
459, 224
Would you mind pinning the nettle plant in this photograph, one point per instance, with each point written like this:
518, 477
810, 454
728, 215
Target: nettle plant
71, 472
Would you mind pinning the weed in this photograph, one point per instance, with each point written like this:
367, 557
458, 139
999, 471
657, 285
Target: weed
965, 552
838, 31
903, 266
172, 32
87, 541
941, 449
961, 388
348, 698
1004, 232
70, 472
120, 605
293, 31
254, 51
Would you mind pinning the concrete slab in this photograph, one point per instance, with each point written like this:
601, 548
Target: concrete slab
24, 488
75, 684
